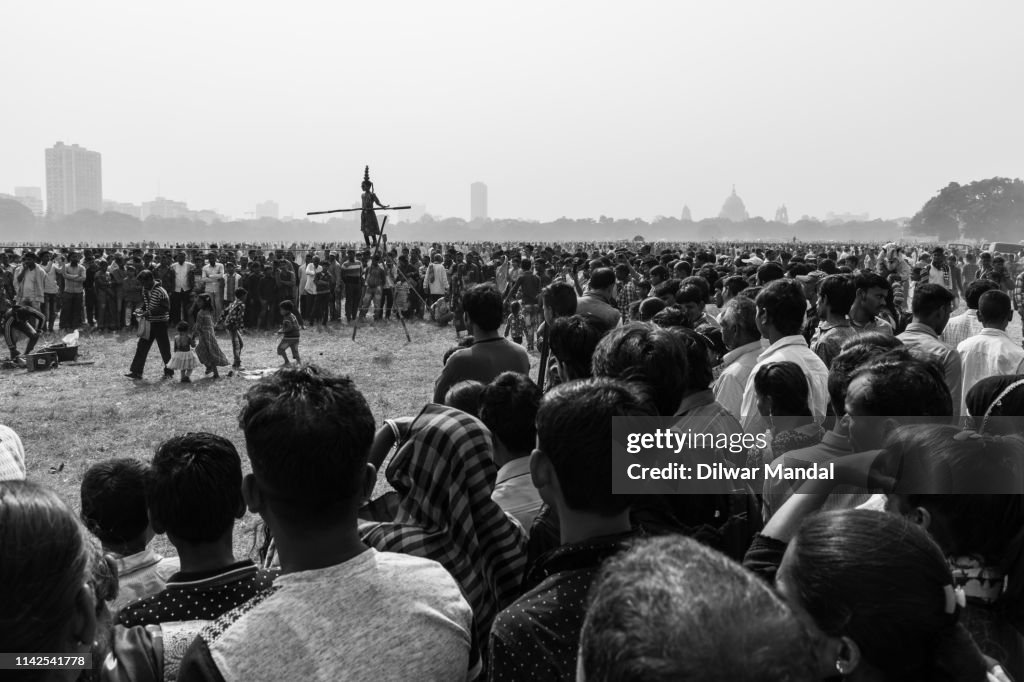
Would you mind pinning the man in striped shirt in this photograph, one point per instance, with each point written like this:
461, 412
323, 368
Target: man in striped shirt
156, 308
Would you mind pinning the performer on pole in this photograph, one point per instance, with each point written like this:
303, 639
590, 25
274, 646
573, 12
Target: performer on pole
370, 228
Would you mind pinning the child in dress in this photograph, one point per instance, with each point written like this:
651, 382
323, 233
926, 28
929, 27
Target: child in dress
208, 350
516, 323
184, 358
289, 331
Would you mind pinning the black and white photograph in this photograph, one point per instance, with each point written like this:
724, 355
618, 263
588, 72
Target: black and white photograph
454, 341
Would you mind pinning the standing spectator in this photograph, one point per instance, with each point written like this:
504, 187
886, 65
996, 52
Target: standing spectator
89, 285
932, 306
870, 299
184, 274
945, 273
104, 297
1000, 276
598, 300
969, 272
30, 281
537, 637
352, 277
232, 281
628, 291
780, 313
743, 341
71, 301
268, 299
132, 295
490, 354
403, 617
213, 282
836, 294
436, 279
782, 399
528, 286
117, 274
155, 312
991, 352
966, 324
51, 290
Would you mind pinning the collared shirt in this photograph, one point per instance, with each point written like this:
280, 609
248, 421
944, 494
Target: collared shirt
198, 596
733, 380
1018, 293
33, 285
536, 638
991, 353
628, 294
961, 327
593, 304
515, 493
874, 325
181, 271
701, 413
828, 339
924, 339
793, 349
142, 574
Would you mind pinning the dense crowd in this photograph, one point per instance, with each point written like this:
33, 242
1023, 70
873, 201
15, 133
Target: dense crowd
501, 551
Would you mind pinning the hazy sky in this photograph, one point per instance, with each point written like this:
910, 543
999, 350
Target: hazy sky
629, 109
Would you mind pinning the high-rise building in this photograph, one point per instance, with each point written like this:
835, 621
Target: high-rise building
267, 209
31, 197
478, 201
74, 179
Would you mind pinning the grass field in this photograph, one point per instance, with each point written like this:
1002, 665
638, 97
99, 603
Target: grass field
79, 415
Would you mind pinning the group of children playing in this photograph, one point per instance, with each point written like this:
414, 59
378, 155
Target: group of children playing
196, 345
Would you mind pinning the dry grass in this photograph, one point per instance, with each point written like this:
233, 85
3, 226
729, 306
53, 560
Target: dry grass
79, 415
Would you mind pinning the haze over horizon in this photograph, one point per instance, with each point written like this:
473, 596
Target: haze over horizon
571, 109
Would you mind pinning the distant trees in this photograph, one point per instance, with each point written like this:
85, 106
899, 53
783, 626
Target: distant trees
16, 219
992, 209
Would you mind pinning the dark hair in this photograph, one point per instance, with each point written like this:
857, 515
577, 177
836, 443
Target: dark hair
602, 278
785, 305
308, 435
734, 284
786, 385
573, 341
560, 297
194, 487
145, 277
182, 326
901, 384
691, 294
672, 609
47, 556
842, 368
994, 306
649, 355
574, 431
840, 291
240, 292
769, 272
698, 281
872, 338
649, 307
287, 306
670, 317
508, 407
975, 289
881, 581
465, 396
483, 305
114, 500
660, 271
699, 373
871, 280
930, 298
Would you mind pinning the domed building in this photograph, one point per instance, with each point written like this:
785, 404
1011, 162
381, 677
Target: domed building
734, 209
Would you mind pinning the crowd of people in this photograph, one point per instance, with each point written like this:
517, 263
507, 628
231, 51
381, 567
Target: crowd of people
500, 550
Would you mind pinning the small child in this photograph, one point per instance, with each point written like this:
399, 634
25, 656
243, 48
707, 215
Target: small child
289, 331
441, 312
401, 304
516, 323
233, 319
184, 359
114, 510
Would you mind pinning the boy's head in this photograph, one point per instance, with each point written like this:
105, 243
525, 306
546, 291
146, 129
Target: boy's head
114, 504
240, 294
573, 341
516, 307
572, 465
465, 396
508, 407
194, 488
308, 435
995, 309
483, 305
182, 326
286, 306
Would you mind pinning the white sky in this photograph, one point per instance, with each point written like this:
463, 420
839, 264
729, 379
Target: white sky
629, 109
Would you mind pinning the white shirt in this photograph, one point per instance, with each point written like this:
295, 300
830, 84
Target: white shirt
181, 271
731, 383
989, 353
213, 274
961, 327
792, 349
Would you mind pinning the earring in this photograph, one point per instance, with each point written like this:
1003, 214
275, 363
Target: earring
841, 667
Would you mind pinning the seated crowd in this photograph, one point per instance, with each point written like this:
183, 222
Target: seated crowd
500, 550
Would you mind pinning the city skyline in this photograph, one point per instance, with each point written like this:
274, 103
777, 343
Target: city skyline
573, 109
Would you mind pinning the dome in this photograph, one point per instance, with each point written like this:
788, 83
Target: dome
734, 209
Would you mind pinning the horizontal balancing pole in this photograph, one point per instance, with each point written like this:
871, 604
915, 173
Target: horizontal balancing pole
346, 210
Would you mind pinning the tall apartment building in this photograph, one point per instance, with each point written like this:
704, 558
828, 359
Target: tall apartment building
74, 179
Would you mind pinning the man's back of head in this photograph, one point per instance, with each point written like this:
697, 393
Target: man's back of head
673, 609
653, 357
483, 306
994, 309
508, 407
